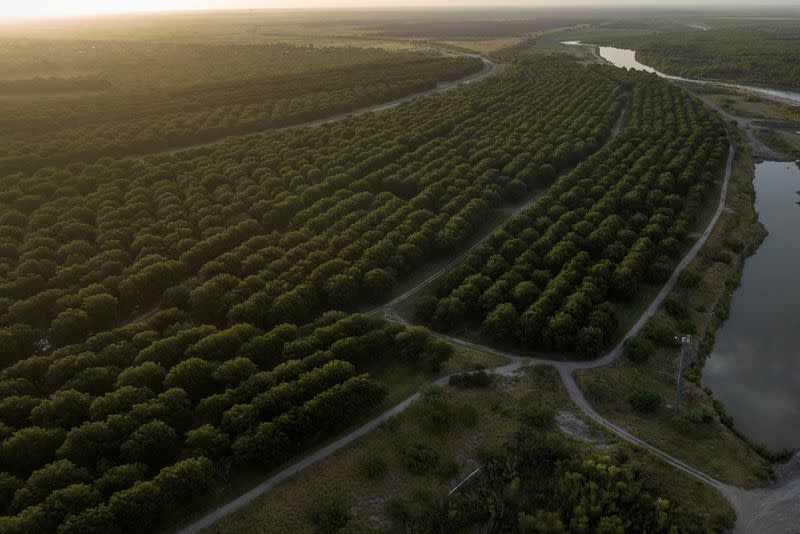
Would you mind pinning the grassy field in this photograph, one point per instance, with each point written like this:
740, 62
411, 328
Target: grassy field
697, 436
745, 105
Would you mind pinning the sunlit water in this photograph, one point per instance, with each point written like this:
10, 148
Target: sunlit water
754, 368
621, 57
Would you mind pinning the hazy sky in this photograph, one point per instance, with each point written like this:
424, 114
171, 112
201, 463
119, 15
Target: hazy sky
45, 8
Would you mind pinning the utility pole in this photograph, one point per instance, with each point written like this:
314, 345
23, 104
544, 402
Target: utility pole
684, 341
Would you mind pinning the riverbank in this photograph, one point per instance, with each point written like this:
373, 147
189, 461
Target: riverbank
699, 434
752, 366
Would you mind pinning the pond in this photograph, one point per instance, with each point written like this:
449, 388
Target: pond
754, 368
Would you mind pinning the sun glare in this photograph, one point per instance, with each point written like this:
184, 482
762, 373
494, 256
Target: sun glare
59, 8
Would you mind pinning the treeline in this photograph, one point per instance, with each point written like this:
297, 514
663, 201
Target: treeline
553, 277
135, 120
116, 432
280, 227
52, 85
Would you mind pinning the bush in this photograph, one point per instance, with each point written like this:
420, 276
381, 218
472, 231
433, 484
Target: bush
538, 416
424, 308
659, 332
645, 401
638, 348
479, 379
419, 459
723, 256
676, 307
373, 467
329, 513
433, 411
689, 278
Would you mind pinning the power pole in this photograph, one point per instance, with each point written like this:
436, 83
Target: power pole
684, 341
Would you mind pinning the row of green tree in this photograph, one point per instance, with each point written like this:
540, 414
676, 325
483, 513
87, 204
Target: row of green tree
618, 221
132, 119
280, 227
94, 424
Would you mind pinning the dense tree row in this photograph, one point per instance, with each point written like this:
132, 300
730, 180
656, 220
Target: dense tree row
233, 246
616, 222
159, 109
112, 433
279, 227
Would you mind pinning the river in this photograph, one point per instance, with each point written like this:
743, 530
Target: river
754, 367
625, 58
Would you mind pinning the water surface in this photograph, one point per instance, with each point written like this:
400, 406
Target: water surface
754, 367
621, 57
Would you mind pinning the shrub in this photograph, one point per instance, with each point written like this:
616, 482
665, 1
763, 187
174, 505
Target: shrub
419, 458
689, 278
723, 256
638, 348
645, 401
659, 332
373, 466
329, 513
676, 307
424, 308
479, 379
433, 410
538, 416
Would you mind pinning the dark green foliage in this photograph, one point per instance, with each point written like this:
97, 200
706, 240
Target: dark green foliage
659, 332
154, 444
538, 416
329, 514
419, 458
478, 379
676, 307
207, 441
373, 467
601, 231
645, 401
433, 410
234, 89
689, 278
542, 483
638, 348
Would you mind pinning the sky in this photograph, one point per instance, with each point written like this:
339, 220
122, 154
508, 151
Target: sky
54, 8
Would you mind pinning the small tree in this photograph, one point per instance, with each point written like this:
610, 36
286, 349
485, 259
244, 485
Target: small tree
329, 513
638, 348
645, 401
